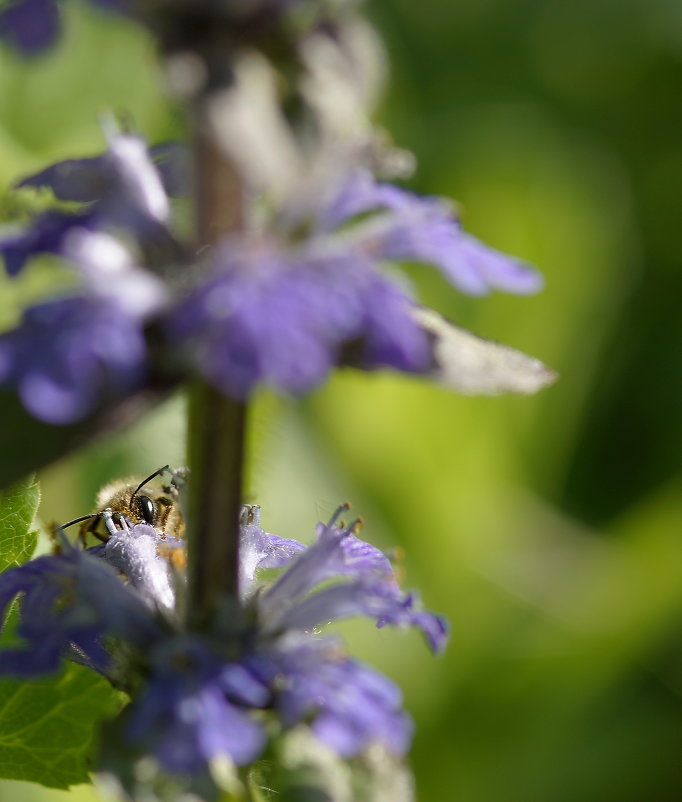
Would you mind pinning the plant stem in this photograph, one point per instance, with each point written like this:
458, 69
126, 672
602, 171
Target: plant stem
217, 423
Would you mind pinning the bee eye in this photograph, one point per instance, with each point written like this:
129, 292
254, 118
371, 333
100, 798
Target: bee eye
147, 509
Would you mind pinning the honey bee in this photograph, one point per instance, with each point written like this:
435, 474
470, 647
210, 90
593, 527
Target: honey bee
121, 504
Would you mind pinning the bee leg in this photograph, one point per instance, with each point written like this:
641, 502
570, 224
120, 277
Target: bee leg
90, 528
108, 519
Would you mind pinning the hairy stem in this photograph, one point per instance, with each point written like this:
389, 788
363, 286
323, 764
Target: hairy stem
216, 423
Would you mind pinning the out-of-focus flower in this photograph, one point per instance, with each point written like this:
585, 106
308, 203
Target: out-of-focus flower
284, 312
282, 303
68, 355
46, 234
31, 26
121, 190
407, 227
283, 318
130, 180
34, 26
109, 272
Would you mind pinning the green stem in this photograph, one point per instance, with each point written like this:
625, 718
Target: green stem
216, 453
216, 430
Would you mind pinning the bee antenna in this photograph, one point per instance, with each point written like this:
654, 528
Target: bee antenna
79, 520
148, 479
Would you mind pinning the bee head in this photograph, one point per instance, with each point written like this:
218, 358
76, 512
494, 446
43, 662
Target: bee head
146, 508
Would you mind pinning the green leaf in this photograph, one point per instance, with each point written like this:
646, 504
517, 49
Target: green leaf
18, 505
47, 726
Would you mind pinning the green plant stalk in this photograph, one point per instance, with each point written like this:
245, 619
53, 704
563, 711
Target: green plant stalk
217, 424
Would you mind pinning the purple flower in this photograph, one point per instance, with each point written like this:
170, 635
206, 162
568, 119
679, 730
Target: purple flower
368, 587
46, 234
34, 26
351, 706
219, 692
31, 26
280, 307
284, 319
285, 311
259, 550
125, 179
184, 717
69, 354
123, 190
141, 555
206, 694
407, 227
70, 602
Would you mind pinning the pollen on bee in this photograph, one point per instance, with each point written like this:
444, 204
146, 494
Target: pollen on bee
176, 555
179, 559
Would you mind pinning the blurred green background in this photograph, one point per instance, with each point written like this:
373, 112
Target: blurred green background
547, 529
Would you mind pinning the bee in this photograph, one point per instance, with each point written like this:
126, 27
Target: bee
121, 504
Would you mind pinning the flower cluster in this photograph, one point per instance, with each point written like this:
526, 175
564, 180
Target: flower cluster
305, 281
268, 306
202, 695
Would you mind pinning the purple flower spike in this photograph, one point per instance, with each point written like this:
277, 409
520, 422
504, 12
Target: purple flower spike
68, 354
283, 320
217, 693
408, 227
283, 310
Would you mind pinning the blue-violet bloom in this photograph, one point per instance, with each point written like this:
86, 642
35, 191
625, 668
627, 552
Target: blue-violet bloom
200, 696
121, 190
69, 354
284, 309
